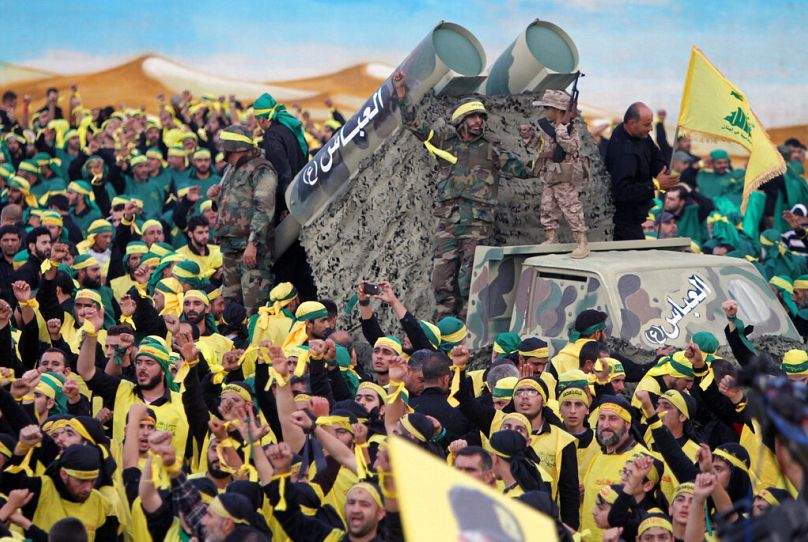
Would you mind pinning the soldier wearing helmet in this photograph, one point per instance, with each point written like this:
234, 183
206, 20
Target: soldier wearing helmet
470, 166
245, 199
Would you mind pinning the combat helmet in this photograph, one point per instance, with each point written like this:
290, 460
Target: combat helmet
466, 108
236, 138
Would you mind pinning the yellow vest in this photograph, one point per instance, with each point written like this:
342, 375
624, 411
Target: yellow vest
140, 530
763, 470
209, 264
338, 494
649, 384
170, 416
217, 345
277, 330
604, 470
121, 285
548, 446
585, 456
51, 508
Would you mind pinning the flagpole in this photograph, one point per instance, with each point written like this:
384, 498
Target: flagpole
670, 170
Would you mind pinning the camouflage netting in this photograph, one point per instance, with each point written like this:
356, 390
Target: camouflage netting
382, 228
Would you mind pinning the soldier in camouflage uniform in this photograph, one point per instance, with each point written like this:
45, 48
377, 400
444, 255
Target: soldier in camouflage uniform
245, 198
560, 172
468, 178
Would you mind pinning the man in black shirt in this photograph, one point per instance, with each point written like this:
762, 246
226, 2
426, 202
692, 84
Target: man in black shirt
433, 400
9, 244
284, 145
633, 160
38, 244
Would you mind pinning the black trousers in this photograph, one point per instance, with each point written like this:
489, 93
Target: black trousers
628, 231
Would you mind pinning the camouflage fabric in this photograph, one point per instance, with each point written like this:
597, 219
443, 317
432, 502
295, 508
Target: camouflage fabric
465, 197
452, 260
470, 184
245, 285
560, 197
247, 205
246, 213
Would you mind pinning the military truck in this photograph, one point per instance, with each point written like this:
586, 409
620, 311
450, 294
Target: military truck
655, 293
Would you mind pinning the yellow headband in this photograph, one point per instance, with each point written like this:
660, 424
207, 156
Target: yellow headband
238, 390
624, 414
82, 474
372, 386
654, 521
89, 294
782, 284
213, 294
218, 508
731, 459
230, 136
570, 394
530, 383
515, 416
52, 219
465, 108
343, 422
677, 399
455, 337
265, 111
406, 424
372, 491
608, 494
198, 294
768, 497
801, 284
537, 353
795, 357
150, 223
89, 262
386, 342
683, 488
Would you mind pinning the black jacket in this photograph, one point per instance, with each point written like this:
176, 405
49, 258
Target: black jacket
632, 163
433, 402
283, 150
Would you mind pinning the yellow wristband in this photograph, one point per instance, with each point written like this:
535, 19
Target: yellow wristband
88, 329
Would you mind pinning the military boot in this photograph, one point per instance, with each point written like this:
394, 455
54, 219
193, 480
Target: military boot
552, 238
582, 250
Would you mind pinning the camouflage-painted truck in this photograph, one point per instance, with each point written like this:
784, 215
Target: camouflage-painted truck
654, 292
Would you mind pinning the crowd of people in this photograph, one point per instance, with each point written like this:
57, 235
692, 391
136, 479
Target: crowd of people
163, 378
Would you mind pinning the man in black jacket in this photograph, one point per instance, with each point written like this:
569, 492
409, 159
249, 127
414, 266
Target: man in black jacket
284, 145
633, 160
39, 244
433, 401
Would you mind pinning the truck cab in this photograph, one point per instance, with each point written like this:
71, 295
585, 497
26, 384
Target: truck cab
655, 293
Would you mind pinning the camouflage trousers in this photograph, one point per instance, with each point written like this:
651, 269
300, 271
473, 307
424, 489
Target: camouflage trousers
452, 261
248, 286
558, 199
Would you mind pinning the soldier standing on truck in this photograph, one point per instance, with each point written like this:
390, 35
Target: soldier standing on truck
468, 178
245, 198
560, 169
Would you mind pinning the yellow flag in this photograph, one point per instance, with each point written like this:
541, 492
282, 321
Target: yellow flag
714, 108
438, 502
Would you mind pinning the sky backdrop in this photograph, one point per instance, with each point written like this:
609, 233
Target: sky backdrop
629, 49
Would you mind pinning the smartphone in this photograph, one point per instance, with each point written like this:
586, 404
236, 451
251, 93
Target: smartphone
371, 288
